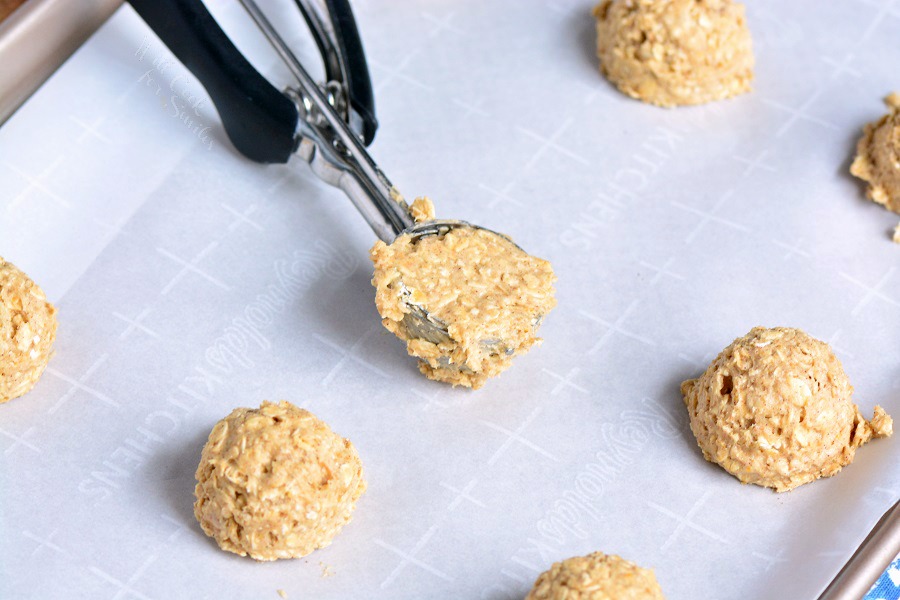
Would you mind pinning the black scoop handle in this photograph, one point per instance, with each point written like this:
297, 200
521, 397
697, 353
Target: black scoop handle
356, 69
259, 119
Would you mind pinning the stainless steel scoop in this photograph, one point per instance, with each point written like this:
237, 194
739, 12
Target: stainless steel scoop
337, 156
325, 126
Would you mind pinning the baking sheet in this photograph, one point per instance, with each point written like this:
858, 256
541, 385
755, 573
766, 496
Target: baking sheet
672, 232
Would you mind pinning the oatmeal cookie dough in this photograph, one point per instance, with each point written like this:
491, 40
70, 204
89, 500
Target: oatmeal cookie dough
774, 409
276, 482
27, 331
596, 576
878, 159
675, 52
489, 292
422, 209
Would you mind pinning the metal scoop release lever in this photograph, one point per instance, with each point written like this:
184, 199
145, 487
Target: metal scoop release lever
335, 152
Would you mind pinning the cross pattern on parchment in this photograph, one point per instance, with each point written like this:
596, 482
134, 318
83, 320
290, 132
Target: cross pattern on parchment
710, 216
398, 72
551, 143
795, 249
662, 271
19, 440
45, 542
473, 107
135, 324
885, 9
288, 174
126, 94
430, 401
841, 67
833, 342
90, 129
463, 494
770, 560
686, 521
126, 589
800, 114
701, 363
756, 163
501, 195
517, 577
349, 354
872, 292
409, 558
565, 382
242, 217
113, 229
615, 327
80, 385
592, 92
516, 436
36, 183
892, 493
441, 24
191, 267
179, 527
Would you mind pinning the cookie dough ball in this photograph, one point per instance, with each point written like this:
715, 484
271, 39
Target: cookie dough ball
675, 52
276, 482
774, 409
596, 576
27, 331
487, 293
878, 158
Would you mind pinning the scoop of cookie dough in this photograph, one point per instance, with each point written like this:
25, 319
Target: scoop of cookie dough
774, 409
27, 331
675, 52
276, 482
596, 576
490, 294
878, 159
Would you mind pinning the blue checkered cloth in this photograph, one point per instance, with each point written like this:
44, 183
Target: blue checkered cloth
888, 585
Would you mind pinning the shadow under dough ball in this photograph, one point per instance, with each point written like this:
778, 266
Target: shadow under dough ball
27, 330
775, 409
276, 482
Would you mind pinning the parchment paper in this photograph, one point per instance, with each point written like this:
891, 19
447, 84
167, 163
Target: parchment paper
191, 281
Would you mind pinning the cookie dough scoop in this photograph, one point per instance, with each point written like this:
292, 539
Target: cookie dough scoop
465, 299
497, 295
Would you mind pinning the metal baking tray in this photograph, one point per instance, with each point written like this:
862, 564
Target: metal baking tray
672, 232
